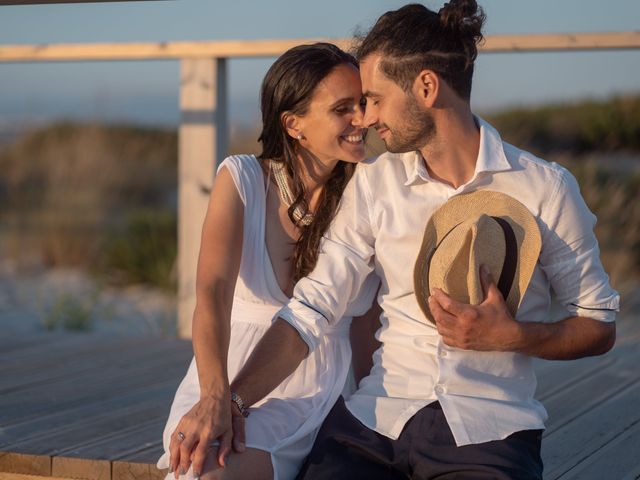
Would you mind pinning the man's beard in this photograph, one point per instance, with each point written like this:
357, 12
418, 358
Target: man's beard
416, 130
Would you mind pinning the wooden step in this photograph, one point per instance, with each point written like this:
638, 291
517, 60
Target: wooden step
18, 466
21, 476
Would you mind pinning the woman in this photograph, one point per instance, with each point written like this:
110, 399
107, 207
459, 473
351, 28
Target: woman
265, 219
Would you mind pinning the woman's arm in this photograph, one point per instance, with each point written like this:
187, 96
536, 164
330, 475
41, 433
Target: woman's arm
218, 267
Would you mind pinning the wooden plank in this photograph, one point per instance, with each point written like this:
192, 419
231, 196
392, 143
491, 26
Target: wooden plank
136, 471
149, 455
202, 145
56, 344
561, 41
88, 430
121, 443
81, 468
14, 344
154, 365
21, 372
74, 442
70, 398
148, 51
633, 474
569, 445
273, 48
19, 476
67, 346
617, 459
158, 398
84, 430
67, 363
593, 387
554, 377
21, 463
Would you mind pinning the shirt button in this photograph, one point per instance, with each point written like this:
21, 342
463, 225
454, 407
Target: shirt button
439, 389
443, 353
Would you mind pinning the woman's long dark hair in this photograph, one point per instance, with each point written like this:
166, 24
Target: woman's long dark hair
289, 86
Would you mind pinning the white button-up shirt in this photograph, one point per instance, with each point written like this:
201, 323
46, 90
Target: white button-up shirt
484, 395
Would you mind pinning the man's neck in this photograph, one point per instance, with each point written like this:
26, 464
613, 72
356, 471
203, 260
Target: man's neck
451, 156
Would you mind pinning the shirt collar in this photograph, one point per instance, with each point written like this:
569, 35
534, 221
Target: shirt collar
491, 156
416, 168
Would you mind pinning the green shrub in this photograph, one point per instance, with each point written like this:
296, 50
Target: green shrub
70, 313
576, 128
144, 250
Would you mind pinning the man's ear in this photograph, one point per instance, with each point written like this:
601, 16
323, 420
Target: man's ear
291, 123
426, 88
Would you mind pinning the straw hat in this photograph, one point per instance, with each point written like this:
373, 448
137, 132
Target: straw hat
482, 227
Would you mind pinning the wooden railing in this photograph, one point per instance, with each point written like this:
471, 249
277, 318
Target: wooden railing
203, 135
273, 48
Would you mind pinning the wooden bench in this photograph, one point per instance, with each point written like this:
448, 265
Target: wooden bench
93, 407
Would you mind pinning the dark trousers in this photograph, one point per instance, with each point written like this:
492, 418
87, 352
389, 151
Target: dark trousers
346, 449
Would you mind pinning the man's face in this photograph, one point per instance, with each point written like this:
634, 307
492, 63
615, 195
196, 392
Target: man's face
402, 123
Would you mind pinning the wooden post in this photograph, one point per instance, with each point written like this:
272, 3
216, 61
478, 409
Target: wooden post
203, 144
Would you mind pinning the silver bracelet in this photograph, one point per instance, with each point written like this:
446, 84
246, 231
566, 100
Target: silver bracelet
235, 398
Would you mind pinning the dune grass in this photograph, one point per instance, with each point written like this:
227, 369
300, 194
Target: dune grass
104, 197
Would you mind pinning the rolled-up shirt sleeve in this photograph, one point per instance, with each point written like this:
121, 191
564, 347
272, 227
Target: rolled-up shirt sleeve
344, 263
570, 256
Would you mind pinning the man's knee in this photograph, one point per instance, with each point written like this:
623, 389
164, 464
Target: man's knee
211, 470
253, 463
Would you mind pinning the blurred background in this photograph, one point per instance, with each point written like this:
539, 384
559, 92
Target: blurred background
88, 150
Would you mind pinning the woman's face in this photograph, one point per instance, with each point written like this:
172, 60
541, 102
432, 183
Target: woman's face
332, 127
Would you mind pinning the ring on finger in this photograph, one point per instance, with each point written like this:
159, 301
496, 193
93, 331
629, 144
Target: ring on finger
181, 436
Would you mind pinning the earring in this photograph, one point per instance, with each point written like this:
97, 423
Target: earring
299, 137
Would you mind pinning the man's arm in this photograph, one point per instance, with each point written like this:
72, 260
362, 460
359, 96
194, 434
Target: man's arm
274, 358
319, 300
570, 260
490, 327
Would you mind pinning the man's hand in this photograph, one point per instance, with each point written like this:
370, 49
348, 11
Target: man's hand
485, 327
209, 420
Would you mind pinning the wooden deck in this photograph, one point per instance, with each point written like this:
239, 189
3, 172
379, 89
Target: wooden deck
93, 407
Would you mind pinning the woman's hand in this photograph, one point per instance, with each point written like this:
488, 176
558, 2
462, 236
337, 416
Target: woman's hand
210, 419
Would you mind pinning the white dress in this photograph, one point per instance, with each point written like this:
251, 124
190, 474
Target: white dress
286, 422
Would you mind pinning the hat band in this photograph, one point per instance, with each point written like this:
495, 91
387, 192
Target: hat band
505, 282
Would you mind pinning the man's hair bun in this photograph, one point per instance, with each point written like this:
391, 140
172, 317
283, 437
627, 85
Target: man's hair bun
463, 19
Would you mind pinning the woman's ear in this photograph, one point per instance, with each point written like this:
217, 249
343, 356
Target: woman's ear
427, 87
292, 124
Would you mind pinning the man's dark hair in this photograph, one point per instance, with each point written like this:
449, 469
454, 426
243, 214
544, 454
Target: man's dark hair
414, 38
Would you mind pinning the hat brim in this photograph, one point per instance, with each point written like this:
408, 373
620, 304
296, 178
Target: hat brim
470, 205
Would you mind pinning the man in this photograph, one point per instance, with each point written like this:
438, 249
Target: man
454, 397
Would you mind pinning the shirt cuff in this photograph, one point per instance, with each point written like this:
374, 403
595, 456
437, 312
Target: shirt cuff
604, 312
309, 323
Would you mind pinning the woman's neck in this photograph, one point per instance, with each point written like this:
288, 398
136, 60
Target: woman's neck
314, 173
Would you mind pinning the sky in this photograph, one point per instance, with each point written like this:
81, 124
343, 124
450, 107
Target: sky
147, 91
